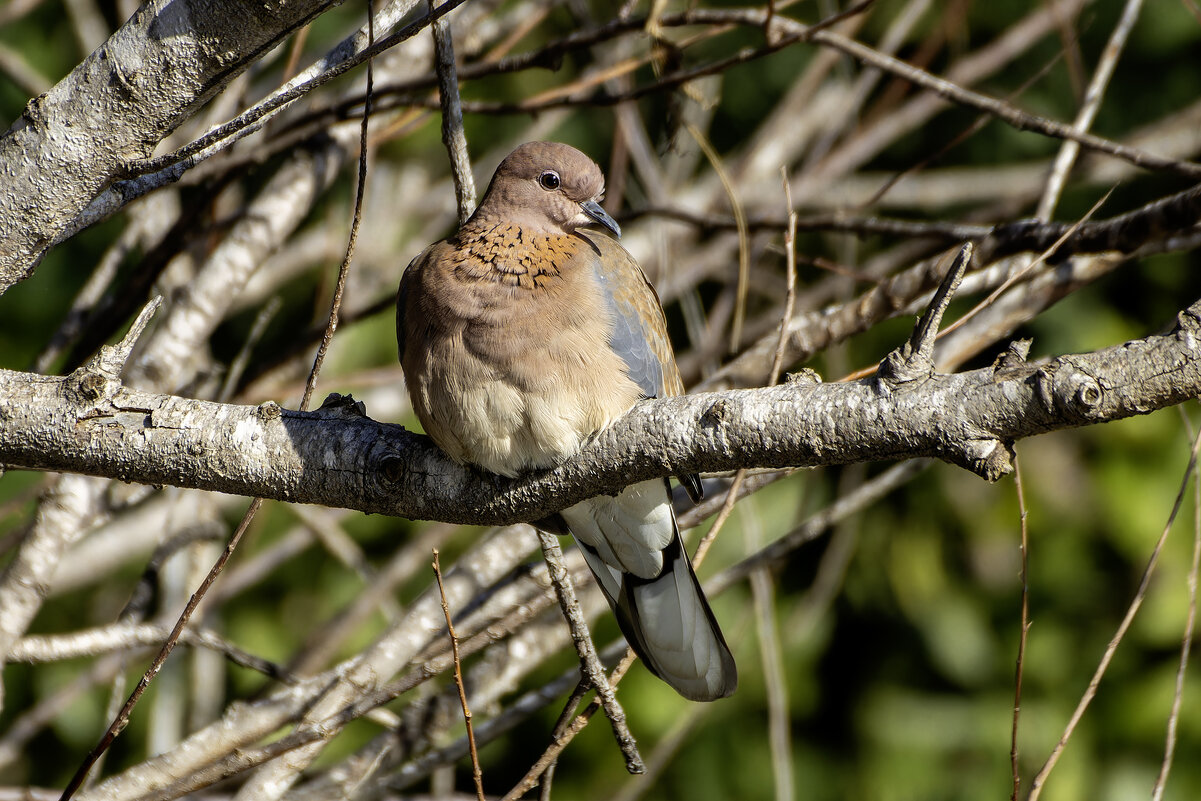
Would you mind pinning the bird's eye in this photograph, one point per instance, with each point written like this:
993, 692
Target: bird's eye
549, 180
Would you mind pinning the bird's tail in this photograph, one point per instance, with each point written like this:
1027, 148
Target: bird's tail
668, 622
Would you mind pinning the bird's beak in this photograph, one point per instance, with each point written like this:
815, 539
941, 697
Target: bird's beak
599, 215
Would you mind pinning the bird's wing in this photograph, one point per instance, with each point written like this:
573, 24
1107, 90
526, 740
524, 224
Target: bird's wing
402, 295
639, 334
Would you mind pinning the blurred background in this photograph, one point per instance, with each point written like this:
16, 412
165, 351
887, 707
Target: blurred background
877, 659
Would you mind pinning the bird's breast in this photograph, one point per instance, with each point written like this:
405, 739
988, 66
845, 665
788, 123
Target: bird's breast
517, 371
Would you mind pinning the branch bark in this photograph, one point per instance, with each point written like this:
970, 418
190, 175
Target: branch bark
118, 104
90, 423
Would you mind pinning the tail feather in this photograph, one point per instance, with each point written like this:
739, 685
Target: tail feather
669, 624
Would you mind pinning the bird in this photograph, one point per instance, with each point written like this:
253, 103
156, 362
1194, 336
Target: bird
525, 334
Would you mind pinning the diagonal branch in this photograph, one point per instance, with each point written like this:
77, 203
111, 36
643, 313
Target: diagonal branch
137, 87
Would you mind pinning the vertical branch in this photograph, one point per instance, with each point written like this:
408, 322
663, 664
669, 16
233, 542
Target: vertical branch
1169, 748
589, 661
778, 720
762, 586
452, 116
1021, 657
476, 773
335, 306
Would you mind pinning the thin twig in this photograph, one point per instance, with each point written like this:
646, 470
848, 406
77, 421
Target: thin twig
773, 375
967, 133
762, 586
271, 105
1088, 109
1040, 779
1169, 746
544, 765
744, 240
1021, 657
122, 720
589, 662
767, 627
453, 135
1026, 271
727, 506
344, 269
238, 366
1021, 120
476, 773
128, 635
810, 529
566, 732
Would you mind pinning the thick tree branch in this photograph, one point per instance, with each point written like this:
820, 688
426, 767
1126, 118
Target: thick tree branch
90, 423
150, 76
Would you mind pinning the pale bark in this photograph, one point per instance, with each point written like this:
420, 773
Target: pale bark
118, 104
90, 423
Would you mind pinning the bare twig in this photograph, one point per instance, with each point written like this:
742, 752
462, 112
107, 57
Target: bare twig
1027, 270
476, 774
238, 366
1021, 120
744, 243
1169, 747
453, 136
271, 105
331, 325
767, 627
1088, 109
566, 727
762, 586
1025, 630
789, 276
122, 719
565, 732
1036, 785
590, 664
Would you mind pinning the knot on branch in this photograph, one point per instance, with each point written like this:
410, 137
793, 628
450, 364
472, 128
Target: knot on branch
803, 376
987, 457
87, 386
1074, 391
268, 411
1188, 323
717, 414
392, 468
1011, 363
344, 406
904, 365
99, 378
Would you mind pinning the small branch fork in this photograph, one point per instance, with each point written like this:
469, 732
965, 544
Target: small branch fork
915, 359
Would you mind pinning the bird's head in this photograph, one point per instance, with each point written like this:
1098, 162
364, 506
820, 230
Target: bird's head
548, 188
